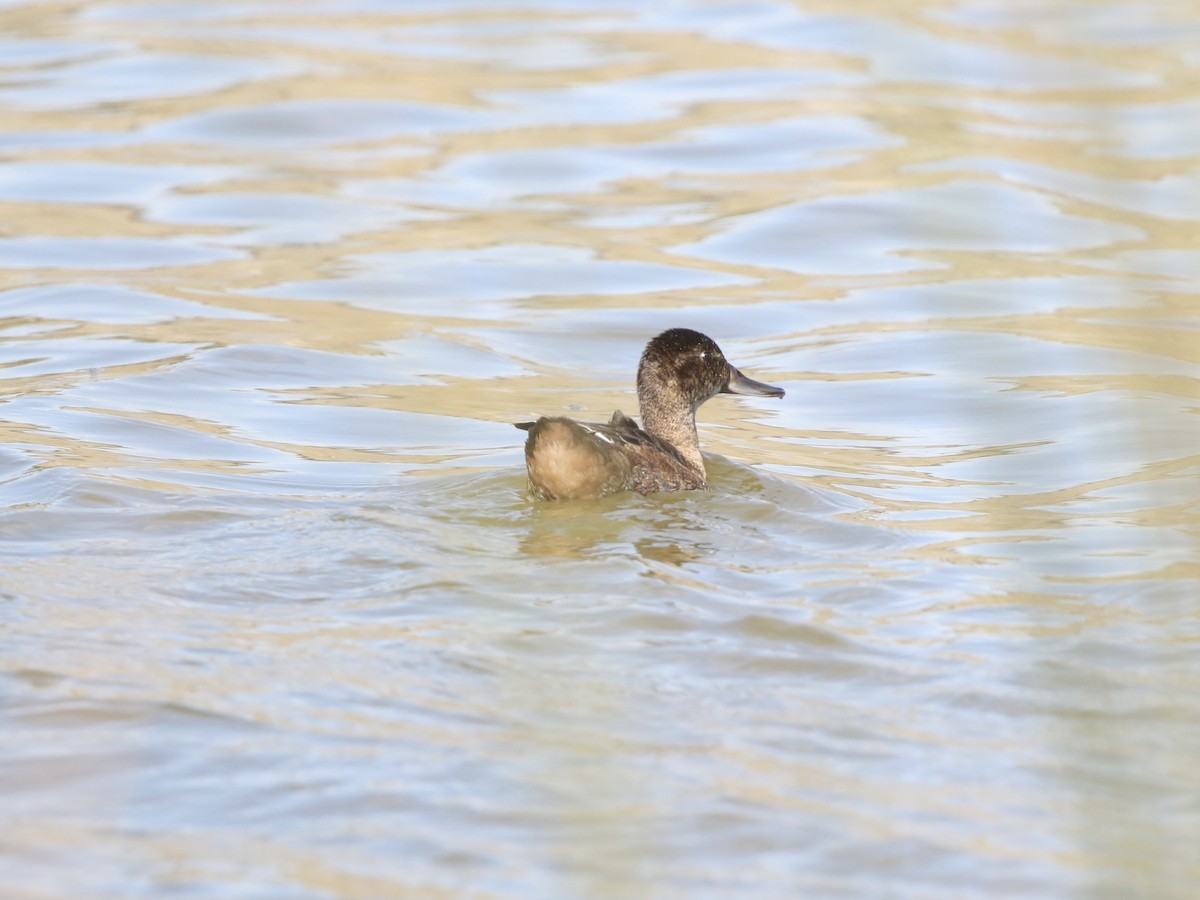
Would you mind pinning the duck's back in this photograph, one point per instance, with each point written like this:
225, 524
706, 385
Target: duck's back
578, 460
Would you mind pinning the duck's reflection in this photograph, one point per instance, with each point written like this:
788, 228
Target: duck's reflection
671, 528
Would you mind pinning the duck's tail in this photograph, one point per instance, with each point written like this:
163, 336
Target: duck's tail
567, 461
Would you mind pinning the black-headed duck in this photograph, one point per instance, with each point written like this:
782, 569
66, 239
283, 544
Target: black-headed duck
679, 370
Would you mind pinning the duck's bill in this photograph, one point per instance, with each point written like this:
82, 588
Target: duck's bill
740, 384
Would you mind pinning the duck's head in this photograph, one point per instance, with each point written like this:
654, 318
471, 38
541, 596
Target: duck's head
685, 366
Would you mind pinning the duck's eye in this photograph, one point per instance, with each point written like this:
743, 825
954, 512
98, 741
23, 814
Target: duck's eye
704, 354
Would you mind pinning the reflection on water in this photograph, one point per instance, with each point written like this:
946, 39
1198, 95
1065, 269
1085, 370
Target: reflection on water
278, 619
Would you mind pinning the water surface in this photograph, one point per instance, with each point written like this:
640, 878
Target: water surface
278, 619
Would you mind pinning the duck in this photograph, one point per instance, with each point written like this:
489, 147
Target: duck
679, 370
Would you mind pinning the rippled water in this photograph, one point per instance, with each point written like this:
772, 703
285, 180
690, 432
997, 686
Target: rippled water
277, 617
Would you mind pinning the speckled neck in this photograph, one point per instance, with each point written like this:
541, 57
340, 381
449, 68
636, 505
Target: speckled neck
673, 420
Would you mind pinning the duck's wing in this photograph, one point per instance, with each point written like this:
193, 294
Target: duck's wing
626, 429
620, 430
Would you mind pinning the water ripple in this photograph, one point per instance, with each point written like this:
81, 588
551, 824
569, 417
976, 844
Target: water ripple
279, 618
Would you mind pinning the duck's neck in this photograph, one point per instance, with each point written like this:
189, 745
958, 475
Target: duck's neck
673, 423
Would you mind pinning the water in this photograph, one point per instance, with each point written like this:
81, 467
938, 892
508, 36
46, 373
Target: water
277, 617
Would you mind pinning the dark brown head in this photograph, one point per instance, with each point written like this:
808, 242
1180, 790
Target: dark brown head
684, 368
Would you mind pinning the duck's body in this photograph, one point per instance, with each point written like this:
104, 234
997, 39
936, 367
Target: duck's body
569, 459
679, 370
